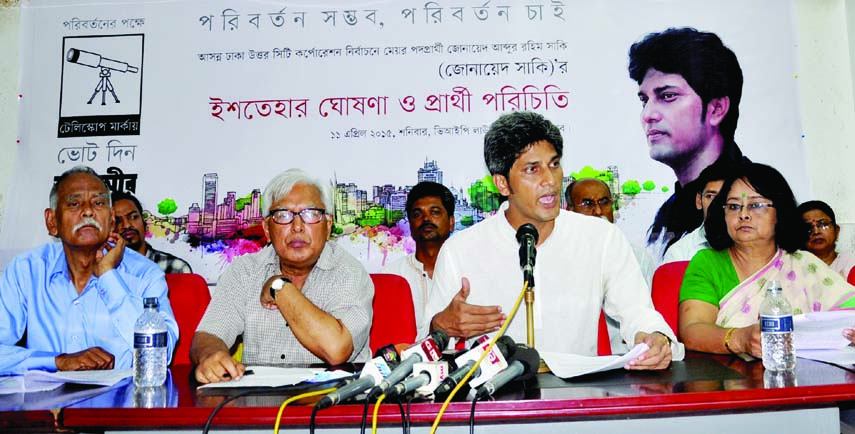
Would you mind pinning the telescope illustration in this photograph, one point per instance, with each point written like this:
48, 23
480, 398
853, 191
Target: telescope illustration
95, 60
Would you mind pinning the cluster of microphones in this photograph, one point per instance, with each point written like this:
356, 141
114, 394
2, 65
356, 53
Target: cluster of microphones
422, 369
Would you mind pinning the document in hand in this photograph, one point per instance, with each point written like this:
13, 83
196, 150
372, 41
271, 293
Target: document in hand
818, 337
573, 365
38, 381
822, 330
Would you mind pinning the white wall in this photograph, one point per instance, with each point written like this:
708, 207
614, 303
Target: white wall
10, 14
826, 31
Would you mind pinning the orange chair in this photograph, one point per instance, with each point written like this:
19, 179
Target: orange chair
666, 290
394, 316
189, 297
851, 277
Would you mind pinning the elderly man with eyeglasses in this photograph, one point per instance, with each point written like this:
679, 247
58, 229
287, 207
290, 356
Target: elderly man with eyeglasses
299, 300
590, 196
593, 197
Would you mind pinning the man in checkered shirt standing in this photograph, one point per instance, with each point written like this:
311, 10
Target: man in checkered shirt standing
301, 299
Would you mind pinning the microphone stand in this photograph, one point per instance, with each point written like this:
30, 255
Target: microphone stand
529, 311
528, 277
527, 237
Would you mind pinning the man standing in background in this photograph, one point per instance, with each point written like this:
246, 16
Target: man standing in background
709, 184
131, 225
430, 211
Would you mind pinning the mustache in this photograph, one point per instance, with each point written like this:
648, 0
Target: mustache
88, 221
427, 225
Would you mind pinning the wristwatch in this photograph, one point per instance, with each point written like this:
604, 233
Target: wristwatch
277, 286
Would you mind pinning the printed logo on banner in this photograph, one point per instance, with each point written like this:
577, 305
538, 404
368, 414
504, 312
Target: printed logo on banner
101, 86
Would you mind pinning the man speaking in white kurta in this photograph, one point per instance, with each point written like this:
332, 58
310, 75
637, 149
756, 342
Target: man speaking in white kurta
584, 264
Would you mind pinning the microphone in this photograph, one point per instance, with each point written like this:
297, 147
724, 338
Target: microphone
427, 350
524, 366
425, 380
372, 374
527, 237
495, 362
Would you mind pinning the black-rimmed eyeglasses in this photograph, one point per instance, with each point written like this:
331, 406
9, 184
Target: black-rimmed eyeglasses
308, 215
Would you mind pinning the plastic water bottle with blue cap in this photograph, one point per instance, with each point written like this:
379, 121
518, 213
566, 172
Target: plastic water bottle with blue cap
150, 346
776, 330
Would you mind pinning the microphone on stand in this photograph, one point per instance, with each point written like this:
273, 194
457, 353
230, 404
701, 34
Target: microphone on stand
385, 360
427, 350
523, 366
425, 379
492, 364
527, 236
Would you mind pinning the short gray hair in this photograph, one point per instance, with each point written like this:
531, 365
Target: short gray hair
54, 190
281, 185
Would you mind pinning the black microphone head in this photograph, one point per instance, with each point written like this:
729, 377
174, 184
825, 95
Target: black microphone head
506, 346
389, 354
441, 339
530, 359
527, 229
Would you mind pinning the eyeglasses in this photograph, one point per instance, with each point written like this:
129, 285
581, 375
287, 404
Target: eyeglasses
308, 215
590, 203
822, 225
754, 208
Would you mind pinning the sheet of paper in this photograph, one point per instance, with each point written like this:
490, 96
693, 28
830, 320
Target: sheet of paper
844, 357
18, 384
573, 365
266, 376
101, 378
40, 381
821, 330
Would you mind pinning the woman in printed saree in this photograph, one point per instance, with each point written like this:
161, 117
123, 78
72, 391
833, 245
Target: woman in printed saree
755, 233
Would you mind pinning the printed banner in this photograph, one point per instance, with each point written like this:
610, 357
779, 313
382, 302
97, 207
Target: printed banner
195, 106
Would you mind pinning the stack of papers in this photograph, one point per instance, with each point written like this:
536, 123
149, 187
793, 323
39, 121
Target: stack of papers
573, 365
818, 336
39, 381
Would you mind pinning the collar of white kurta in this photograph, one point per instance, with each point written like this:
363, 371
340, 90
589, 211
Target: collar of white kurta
509, 231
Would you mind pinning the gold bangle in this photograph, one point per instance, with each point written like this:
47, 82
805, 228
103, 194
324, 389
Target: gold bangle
727, 337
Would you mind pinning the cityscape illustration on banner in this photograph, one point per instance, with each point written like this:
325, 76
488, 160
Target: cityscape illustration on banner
229, 225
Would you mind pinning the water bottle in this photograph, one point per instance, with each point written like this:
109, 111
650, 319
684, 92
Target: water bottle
150, 396
776, 330
149, 346
779, 379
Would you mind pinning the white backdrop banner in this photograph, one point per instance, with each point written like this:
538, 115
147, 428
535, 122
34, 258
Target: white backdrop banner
194, 106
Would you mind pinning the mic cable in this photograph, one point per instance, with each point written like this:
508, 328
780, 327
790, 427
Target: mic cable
481, 359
